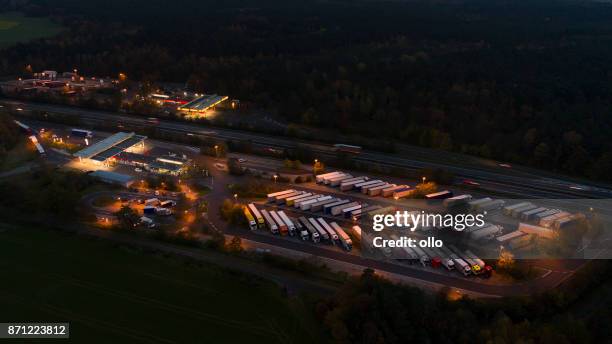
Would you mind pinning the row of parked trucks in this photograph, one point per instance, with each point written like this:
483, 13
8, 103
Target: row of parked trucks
307, 201
535, 220
365, 185
317, 230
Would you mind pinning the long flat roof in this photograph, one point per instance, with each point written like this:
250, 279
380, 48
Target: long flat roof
203, 103
110, 146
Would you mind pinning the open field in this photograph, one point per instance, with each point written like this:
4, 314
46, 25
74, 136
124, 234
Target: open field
112, 294
15, 28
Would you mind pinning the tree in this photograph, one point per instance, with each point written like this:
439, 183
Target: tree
127, 218
235, 245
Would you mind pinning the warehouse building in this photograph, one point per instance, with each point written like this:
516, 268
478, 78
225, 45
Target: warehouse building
101, 152
114, 178
203, 103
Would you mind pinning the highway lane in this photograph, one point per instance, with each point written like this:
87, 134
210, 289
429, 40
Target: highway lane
526, 184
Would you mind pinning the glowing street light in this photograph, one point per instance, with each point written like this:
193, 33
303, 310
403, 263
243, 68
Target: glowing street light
236, 198
275, 177
216, 150
424, 179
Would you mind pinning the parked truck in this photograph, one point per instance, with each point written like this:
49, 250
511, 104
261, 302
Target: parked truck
288, 222
339, 176
314, 234
328, 207
549, 220
250, 219
439, 195
304, 235
345, 240
508, 209
339, 179
322, 232
308, 204
446, 261
456, 201
366, 189
269, 221
529, 215
282, 226
360, 186
257, 215
424, 258
330, 231
349, 185
484, 269
389, 191
298, 203
490, 205
460, 264
272, 196
377, 190
318, 206
509, 236
401, 193
487, 232
346, 212
321, 177
475, 203
519, 211
281, 199
291, 200
337, 210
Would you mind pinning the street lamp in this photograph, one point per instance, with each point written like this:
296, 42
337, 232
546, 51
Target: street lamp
235, 198
424, 179
275, 177
216, 150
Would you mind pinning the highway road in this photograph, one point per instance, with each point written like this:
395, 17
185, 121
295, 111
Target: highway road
522, 182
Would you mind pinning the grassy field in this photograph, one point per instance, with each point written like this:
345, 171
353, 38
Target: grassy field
15, 28
112, 294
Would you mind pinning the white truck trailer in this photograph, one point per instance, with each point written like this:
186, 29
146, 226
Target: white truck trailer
366, 189
322, 232
346, 212
528, 215
509, 236
283, 198
349, 185
290, 201
282, 226
272, 196
491, 205
337, 180
337, 210
460, 264
340, 176
345, 240
487, 232
519, 211
549, 220
328, 207
318, 206
288, 222
321, 177
308, 204
457, 200
360, 186
508, 209
446, 261
298, 203
423, 257
475, 203
377, 190
269, 222
330, 231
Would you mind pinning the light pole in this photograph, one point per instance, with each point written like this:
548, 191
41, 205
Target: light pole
235, 198
216, 151
424, 179
275, 177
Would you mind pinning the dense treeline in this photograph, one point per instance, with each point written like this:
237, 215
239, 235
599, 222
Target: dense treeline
521, 81
369, 309
9, 134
